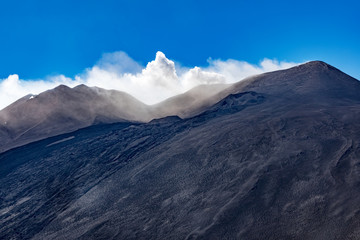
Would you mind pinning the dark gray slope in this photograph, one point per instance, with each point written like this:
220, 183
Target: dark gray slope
65, 109
311, 82
256, 165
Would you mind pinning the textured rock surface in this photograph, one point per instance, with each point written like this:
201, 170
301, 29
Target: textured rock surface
279, 158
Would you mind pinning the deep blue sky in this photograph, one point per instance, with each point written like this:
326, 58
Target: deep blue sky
43, 37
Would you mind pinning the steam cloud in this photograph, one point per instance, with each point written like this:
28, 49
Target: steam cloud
160, 79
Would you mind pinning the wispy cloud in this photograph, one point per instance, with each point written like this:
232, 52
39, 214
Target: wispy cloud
158, 80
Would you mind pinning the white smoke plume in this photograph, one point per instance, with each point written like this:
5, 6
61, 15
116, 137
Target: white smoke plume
158, 80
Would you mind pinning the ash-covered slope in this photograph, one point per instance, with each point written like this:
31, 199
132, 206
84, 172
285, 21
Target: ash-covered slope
190, 103
314, 81
65, 109
276, 160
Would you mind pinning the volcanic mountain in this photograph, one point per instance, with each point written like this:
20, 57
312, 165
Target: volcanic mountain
63, 109
276, 157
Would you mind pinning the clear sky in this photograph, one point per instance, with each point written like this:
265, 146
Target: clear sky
42, 37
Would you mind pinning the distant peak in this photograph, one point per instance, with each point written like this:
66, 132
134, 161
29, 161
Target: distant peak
62, 87
81, 86
317, 64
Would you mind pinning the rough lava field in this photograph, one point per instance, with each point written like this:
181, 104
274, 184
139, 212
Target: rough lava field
275, 156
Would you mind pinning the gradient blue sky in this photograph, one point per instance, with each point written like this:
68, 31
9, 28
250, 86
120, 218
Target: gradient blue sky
40, 38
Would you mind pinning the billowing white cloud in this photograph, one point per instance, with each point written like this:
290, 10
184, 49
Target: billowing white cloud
12, 88
155, 82
234, 70
118, 62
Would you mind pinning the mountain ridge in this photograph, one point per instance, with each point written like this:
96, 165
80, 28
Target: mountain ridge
82, 106
65, 109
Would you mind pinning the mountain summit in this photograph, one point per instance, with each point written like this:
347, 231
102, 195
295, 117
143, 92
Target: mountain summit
313, 79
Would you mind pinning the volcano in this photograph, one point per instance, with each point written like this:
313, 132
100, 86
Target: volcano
275, 156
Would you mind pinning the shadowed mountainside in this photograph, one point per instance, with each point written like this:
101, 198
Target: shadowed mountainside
278, 158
